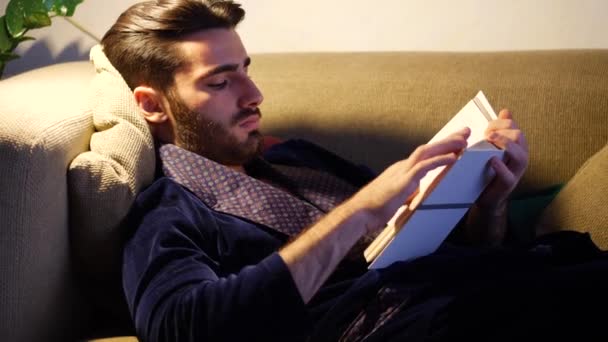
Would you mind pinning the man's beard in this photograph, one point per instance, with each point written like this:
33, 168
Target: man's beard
211, 139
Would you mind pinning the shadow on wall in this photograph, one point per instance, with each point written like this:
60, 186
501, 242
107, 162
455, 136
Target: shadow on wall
39, 55
376, 150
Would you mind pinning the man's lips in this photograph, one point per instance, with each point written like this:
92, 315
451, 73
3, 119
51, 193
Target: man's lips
252, 122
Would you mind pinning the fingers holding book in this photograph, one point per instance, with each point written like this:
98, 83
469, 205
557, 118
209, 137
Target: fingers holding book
505, 134
392, 188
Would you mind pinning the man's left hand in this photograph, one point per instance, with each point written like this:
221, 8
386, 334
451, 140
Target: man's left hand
505, 134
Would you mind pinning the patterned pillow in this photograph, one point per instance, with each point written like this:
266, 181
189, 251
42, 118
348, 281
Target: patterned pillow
582, 204
104, 181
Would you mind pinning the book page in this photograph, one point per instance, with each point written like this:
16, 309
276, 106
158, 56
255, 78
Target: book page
471, 116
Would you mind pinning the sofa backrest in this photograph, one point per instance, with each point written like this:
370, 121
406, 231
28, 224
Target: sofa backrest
374, 108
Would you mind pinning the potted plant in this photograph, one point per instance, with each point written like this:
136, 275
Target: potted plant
24, 15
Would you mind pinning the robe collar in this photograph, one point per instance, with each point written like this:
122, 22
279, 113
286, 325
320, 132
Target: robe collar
312, 193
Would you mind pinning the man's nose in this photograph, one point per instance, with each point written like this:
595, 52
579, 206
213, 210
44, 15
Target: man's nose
252, 96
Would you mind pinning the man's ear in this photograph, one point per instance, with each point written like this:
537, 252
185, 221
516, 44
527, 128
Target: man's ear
155, 109
150, 103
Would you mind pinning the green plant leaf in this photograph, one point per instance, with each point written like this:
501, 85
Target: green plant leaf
15, 22
62, 7
35, 14
37, 20
24, 38
33, 6
16, 41
5, 39
71, 5
5, 57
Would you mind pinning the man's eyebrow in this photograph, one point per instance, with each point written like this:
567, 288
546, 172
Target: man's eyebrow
224, 68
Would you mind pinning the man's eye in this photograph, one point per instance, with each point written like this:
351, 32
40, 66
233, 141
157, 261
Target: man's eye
218, 85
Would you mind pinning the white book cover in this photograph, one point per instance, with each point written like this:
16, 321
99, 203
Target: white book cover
444, 195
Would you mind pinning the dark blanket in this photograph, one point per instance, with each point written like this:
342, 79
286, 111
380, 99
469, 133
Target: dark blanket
556, 288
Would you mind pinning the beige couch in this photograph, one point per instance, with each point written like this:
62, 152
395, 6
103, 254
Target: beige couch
370, 107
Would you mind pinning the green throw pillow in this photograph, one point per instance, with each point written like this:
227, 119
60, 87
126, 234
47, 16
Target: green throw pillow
525, 211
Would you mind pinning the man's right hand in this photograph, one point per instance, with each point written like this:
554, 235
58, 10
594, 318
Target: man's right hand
391, 189
314, 255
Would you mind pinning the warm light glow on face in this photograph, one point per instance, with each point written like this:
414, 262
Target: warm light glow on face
214, 103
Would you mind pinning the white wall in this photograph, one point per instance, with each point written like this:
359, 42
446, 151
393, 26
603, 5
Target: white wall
338, 25
363, 25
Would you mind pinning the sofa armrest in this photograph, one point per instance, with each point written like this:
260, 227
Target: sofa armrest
44, 126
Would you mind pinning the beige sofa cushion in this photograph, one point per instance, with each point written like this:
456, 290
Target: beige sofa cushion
104, 181
582, 205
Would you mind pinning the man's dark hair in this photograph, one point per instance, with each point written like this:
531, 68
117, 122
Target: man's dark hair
141, 45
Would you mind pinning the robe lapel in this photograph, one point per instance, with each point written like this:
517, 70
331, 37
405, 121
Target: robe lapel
235, 193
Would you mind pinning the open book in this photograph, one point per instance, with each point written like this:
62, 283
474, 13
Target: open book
445, 194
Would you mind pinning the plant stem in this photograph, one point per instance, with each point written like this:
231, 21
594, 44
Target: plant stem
82, 28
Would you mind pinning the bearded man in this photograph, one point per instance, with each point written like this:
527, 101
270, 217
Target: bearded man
238, 242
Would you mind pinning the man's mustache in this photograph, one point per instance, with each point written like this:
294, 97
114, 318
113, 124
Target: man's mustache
245, 113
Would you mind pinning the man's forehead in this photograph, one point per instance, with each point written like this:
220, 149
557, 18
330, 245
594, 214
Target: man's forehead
213, 47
